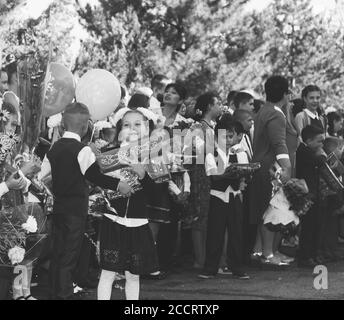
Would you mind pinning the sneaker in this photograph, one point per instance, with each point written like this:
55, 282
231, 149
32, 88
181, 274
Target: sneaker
206, 275
241, 275
225, 271
340, 240
284, 258
255, 256
273, 261
77, 289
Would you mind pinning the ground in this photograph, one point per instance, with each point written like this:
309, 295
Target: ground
292, 283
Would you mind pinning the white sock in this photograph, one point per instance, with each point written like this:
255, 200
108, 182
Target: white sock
132, 286
105, 285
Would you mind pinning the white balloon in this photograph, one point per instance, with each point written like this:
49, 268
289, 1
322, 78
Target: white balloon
100, 91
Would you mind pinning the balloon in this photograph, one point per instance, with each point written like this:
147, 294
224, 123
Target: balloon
12, 99
100, 91
59, 89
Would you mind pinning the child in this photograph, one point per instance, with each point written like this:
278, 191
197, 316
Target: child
246, 119
225, 210
333, 207
309, 157
71, 163
126, 241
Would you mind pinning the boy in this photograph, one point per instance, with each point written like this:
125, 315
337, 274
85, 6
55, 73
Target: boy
225, 203
246, 120
71, 163
332, 208
309, 157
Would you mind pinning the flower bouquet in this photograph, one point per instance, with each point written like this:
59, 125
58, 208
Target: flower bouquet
238, 170
289, 202
15, 227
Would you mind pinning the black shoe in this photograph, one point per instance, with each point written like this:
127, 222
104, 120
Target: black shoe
307, 263
88, 284
78, 296
159, 276
241, 275
206, 275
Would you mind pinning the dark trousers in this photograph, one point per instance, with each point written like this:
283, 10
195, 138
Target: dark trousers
309, 235
249, 230
329, 225
224, 216
84, 262
167, 242
67, 236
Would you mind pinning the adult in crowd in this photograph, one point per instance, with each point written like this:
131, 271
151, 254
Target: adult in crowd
334, 124
244, 101
230, 101
292, 136
269, 147
167, 233
312, 114
158, 85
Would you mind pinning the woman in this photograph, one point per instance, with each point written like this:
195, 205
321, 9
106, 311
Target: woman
207, 109
292, 137
164, 219
334, 124
174, 96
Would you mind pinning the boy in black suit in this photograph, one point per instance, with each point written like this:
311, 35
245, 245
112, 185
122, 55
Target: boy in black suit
71, 164
309, 157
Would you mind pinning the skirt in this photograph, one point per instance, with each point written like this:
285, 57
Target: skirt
127, 249
278, 216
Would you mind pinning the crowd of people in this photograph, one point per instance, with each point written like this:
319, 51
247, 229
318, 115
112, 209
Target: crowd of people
225, 222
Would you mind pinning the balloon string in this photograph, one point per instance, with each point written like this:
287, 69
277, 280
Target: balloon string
93, 131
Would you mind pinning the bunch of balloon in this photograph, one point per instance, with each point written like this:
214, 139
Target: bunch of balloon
100, 91
59, 89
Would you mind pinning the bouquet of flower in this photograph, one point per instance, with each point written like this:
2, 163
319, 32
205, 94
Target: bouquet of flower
15, 226
8, 142
296, 191
238, 170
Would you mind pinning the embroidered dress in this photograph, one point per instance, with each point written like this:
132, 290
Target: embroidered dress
126, 244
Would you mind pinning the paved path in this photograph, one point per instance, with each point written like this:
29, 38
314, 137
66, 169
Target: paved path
292, 283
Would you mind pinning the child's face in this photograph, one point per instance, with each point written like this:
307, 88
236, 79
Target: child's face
316, 143
248, 105
247, 123
232, 138
337, 126
134, 127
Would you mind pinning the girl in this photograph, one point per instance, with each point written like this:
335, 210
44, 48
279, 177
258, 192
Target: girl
207, 109
126, 241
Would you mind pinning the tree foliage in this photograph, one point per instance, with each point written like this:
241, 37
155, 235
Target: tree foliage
209, 45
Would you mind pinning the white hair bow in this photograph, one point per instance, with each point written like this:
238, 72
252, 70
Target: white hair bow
145, 112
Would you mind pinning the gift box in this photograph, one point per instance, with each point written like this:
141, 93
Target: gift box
158, 170
110, 161
238, 170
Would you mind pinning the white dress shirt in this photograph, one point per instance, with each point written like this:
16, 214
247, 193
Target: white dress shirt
212, 170
86, 157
